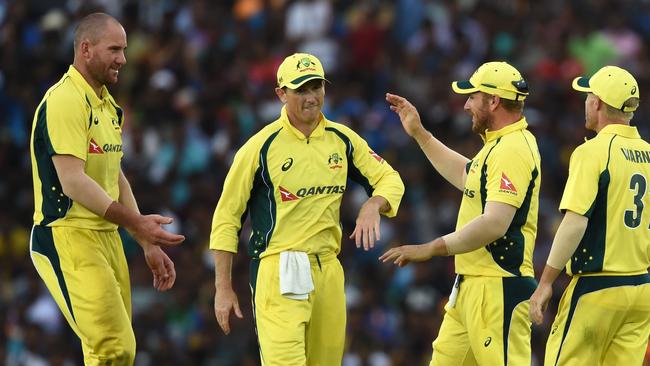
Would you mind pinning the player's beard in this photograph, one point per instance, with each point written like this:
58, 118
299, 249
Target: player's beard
482, 120
100, 72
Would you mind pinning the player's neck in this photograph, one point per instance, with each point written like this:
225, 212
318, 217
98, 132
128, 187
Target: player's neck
83, 70
502, 120
306, 127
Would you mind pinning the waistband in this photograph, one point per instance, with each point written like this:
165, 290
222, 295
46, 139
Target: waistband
314, 259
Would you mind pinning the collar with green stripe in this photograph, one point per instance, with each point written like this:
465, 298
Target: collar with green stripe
493, 135
79, 80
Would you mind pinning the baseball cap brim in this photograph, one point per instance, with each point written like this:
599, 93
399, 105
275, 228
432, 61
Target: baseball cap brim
463, 87
296, 83
581, 83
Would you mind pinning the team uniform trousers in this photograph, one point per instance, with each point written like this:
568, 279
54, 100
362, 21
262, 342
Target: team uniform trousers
300, 332
601, 320
87, 274
488, 325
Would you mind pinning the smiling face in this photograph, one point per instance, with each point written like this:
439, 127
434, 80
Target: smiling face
477, 106
105, 57
304, 104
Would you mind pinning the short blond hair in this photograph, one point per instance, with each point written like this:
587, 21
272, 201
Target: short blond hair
618, 114
91, 27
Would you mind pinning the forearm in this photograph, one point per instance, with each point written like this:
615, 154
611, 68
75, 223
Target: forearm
476, 234
567, 238
81, 189
449, 163
222, 269
549, 275
126, 193
482, 230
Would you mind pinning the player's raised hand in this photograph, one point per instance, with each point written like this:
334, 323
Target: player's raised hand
225, 300
149, 230
407, 113
164, 274
406, 254
539, 302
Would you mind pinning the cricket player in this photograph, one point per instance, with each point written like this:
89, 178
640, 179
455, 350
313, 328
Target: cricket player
486, 319
290, 178
604, 238
81, 196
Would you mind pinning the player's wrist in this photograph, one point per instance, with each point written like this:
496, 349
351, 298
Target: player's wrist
421, 135
438, 248
121, 215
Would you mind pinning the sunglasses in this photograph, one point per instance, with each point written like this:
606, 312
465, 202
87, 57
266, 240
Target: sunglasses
521, 85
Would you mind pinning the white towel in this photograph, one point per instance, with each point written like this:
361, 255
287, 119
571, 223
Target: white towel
454, 293
295, 275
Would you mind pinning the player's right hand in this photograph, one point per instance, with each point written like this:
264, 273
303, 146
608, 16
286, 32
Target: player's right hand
149, 230
407, 113
539, 303
405, 254
225, 300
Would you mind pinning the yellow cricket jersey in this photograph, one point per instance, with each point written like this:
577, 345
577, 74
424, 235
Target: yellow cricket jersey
292, 188
72, 120
506, 169
608, 183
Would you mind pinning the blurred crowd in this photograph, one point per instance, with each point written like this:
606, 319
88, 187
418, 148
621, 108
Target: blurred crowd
199, 81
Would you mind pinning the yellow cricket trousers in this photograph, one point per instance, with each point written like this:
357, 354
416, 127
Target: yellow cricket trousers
87, 274
300, 332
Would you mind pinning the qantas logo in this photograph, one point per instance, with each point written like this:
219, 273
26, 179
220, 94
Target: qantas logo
507, 185
286, 195
93, 147
376, 156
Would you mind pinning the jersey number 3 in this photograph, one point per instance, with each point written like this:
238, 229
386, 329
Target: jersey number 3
638, 186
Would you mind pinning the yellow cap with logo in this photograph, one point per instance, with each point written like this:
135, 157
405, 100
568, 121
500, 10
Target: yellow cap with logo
612, 85
496, 78
298, 69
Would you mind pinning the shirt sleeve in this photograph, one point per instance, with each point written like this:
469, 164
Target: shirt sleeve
67, 125
375, 174
509, 173
229, 214
582, 184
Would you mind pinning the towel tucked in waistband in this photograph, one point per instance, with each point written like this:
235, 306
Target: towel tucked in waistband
295, 275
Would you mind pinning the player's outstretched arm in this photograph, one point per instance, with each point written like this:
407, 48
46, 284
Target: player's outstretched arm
479, 232
82, 189
567, 238
449, 163
225, 299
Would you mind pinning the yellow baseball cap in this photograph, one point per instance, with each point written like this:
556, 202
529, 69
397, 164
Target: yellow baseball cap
612, 85
496, 78
298, 69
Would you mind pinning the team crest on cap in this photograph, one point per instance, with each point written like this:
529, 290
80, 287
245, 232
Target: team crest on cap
305, 64
507, 185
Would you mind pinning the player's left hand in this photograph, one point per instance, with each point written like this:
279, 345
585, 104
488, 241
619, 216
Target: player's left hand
539, 303
164, 274
366, 231
406, 254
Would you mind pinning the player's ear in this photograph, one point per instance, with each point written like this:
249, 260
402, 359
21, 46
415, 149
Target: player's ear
494, 102
282, 94
84, 48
